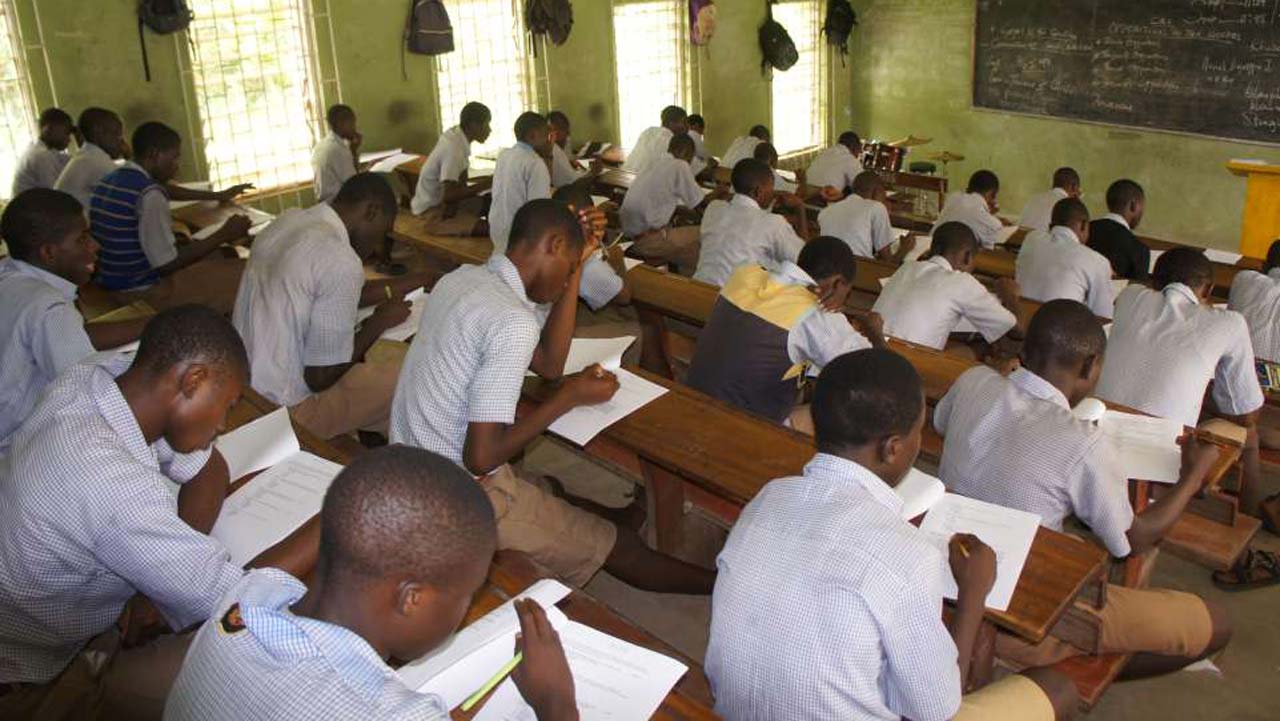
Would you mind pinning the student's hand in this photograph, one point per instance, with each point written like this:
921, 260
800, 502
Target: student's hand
230, 194
790, 200
1007, 291
391, 313
869, 323
543, 676
907, 244
830, 194
140, 622
1198, 457
236, 228
593, 386
831, 299
973, 564
594, 223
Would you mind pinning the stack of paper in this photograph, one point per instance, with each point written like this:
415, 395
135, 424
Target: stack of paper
919, 492
1225, 257
1007, 531
406, 330
391, 162
1146, 446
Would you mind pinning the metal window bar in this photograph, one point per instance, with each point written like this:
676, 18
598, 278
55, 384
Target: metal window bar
651, 69
17, 107
799, 95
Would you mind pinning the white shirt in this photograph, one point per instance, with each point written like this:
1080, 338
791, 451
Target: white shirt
971, 209
1165, 347
835, 167
521, 175
1257, 297
699, 162
821, 336
738, 232
1037, 214
655, 194
332, 164
1055, 264
651, 145
297, 301
85, 170
447, 162
740, 149
862, 224
562, 171
39, 167
925, 299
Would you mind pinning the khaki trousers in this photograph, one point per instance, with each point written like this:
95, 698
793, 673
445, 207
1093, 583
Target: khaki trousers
360, 400
679, 246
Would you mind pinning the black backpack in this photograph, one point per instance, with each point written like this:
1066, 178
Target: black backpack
840, 22
777, 50
553, 18
428, 30
164, 17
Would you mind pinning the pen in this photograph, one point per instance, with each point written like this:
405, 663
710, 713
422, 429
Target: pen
387, 289
964, 550
489, 685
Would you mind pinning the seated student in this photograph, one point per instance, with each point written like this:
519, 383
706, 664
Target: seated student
925, 300
484, 326
828, 601
337, 157
1112, 234
405, 541
89, 520
296, 310
604, 287
1256, 296
451, 205
51, 255
837, 166
862, 221
129, 217
1014, 441
768, 330
702, 160
101, 144
1038, 211
660, 196
565, 170
744, 146
44, 160
652, 143
767, 154
1056, 263
742, 231
521, 175
976, 207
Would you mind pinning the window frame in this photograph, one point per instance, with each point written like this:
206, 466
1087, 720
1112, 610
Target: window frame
687, 69
29, 107
822, 89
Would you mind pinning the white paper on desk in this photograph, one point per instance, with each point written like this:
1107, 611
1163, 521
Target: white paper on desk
1225, 257
919, 491
1005, 233
404, 331
584, 352
582, 424
126, 348
273, 505
477, 172
598, 199
1007, 531
1146, 446
1118, 285
1155, 255
206, 231
629, 263
257, 445
390, 163
374, 156
614, 680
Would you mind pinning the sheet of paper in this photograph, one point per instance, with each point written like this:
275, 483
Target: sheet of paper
1146, 446
582, 424
374, 156
407, 329
390, 163
1225, 257
273, 505
1155, 255
598, 199
1117, 285
918, 491
206, 231
1007, 531
257, 445
1005, 233
584, 352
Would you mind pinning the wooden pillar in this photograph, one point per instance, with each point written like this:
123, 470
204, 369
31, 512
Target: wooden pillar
1261, 224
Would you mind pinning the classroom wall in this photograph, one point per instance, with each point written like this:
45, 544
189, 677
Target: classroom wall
912, 63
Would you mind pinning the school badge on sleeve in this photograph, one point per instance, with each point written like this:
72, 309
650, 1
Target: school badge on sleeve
231, 623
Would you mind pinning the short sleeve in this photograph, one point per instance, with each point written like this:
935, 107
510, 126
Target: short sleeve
786, 245
983, 309
155, 231
330, 335
600, 284
881, 228
921, 677
538, 183
687, 189
1101, 297
1099, 495
453, 165
59, 339
1235, 381
497, 382
822, 337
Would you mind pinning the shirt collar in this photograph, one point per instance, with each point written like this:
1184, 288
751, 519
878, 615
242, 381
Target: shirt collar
792, 273
941, 262
65, 288
335, 138
111, 403
1179, 289
92, 149
1034, 385
1274, 273
1117, 218
1059, 192
745, 201
501, 266
829, 468
526, 146
1062, 232
330, 217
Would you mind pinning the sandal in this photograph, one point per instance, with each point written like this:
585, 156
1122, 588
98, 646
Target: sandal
1258, 569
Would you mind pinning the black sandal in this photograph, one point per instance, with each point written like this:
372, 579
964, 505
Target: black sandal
1258, 569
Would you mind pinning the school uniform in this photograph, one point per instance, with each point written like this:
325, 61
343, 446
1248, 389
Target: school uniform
651, 145
296, 307
855, 632
257, 659
925, 299
448, 162
1054, 264
1014, 442
835, 167
39, 167
740, 149
332, 165
781, 184
650, 202
1111, 236
1165, 347
1257, 297
521, 175
83, 172
738, 232
562, 171
1037, 214
467, 365
971, 209
699, 162
861, 223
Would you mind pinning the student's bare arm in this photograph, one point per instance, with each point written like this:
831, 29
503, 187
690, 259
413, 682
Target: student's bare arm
553, 347
973, 564
236, 228
905, 246
178, 192
375, 291
387, 315
455, 190
200, 499
296, 554
1150, 526
108, 335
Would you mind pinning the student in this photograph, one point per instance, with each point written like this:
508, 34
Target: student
521, 175
102, 143
697, 132
1256, 296
976, 207
1036, 214
484, 326
744, 147
926, 299
44, 160
88, 519
405, 541
742, 231
565, 170
652, 143
828, 601
767, 154
837, 166
296, 309
767, 331
862, 221
129, 217
453, 206
1015, 442
660, 197
1112, 234
1056, 263
336, 157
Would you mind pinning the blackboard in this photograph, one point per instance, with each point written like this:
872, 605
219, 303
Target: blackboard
1209, 67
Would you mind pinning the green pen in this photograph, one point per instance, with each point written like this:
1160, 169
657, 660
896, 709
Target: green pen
489, 685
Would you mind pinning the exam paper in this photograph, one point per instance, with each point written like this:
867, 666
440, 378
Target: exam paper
1007, 531
629, 263
257, 445
391, 162
1225, 257
404, 331
1155, 255
374, 156
582, 424
919, 491
1005, 233
583, 352
598, 199
1146, 446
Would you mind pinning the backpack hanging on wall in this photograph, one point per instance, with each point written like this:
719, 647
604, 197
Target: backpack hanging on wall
839, 25
777, 50
163, 17
702, 21
427, 31
552, 18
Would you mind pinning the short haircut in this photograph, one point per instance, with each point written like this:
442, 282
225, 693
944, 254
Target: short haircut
95, 122
1273, 256
574, 194
759, 131
38, 217
558, 119
337, 113
681, 144
750, 174
1065, 177
863, 397
850, 140
867, 183
1062, 334
1121, 193
55, 116
826, 257
983, 181
1069, 211
765, 152
536, 217
953, 237
190, 334
528, 122
673, 114
696, 121
155, 137
474, 113
400, 511
1187, 266
368, 187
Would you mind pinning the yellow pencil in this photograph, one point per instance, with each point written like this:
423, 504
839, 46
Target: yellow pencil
489, 685
387, 289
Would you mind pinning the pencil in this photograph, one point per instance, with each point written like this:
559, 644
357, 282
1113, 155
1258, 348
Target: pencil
964, 550
489, 685
387, 289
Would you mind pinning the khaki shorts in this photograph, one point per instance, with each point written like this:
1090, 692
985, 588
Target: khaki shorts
1012, 698
673, 245
569, 541
360, 400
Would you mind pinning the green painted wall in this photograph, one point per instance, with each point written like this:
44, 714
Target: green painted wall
912, 74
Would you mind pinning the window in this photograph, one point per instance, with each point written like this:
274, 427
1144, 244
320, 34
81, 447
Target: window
252, 65
17, 109
649, 44
489, 64
799, 94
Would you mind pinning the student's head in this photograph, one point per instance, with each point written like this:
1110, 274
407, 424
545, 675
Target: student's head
47, 228
342, 121
760, 132
1187, 266
558, 122
104, 129
1273, 257
546, 245
1066, 345
1072, 213
830, 262
767, 154
193, 358
753, 179
406, 536
158, 149
956, 242
474, 121
696, 123
682, 147
850, 140
1125, 197
1067, 179
675, 119
574, 195
367, 205
868, 184
533, 129
56, 128
868, 406
984, 183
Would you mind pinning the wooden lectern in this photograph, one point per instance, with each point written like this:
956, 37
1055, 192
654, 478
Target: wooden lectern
1261, 223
